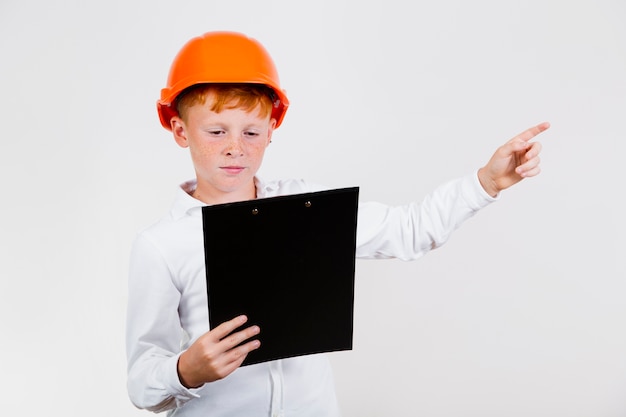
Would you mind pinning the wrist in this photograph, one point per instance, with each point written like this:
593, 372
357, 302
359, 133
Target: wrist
488, 184
183, 376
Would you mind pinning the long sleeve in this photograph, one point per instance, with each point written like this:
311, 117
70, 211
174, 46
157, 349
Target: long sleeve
409, 231
153, 331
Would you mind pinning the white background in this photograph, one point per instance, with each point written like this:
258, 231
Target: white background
522, 313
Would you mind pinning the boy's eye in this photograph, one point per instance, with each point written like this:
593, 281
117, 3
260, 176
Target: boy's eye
218, 133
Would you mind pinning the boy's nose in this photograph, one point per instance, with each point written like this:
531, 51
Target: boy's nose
234, 146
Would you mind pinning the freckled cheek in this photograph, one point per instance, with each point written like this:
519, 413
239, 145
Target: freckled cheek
253, 150
203, 155
207, 150
259, 149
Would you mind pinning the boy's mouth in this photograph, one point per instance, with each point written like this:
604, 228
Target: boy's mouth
233, 169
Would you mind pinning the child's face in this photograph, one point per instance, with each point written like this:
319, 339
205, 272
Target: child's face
226, 149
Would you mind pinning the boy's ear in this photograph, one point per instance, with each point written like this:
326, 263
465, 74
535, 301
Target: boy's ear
178, 130
271, 130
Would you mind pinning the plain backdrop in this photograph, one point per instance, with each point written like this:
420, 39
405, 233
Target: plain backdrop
522, 313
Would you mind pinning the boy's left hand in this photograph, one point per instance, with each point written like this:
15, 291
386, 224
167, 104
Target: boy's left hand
515, 160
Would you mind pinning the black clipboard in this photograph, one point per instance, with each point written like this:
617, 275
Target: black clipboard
288, 263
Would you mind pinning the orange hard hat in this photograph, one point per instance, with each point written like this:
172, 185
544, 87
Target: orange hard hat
221, 57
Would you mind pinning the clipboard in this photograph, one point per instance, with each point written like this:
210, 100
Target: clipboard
288, 263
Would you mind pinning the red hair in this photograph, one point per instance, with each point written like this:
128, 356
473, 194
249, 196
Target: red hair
248, 97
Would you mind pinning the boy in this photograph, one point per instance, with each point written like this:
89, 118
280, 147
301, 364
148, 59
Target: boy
223, 101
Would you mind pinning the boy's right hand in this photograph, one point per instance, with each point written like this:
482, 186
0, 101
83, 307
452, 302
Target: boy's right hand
216, 354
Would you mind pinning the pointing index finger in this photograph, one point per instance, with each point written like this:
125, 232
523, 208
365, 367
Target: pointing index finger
533, 131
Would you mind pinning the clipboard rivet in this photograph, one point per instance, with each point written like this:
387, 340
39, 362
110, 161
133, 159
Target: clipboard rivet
307, 204
255, 211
